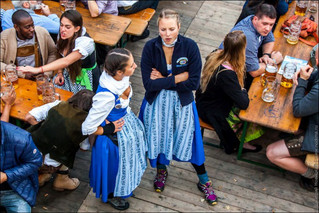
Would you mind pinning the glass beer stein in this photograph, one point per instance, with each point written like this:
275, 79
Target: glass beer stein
48, 93
294, 32
41, 80
301, 7
288, 74
269, 91
271, 70
12, 75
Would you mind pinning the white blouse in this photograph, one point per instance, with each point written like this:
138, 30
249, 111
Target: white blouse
85, 45
104, 102
40, 113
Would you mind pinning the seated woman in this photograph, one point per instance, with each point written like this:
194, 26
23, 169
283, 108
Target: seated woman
77, 68
222, 86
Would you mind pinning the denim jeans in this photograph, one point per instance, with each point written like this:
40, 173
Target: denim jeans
13, 202
138, 6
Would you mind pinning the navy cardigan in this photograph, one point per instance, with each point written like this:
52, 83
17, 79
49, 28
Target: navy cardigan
186, 57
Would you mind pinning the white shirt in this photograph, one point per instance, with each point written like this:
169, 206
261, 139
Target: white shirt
104, 102
40, 113
85, 45
126, 3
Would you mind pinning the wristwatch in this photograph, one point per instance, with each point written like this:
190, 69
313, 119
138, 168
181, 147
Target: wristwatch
269, 55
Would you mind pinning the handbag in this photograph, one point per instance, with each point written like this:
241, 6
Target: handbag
308, 28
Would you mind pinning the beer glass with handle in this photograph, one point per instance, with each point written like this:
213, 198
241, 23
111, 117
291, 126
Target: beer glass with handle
288, 74
271, 70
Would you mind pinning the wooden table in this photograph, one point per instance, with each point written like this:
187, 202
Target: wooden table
27, 98
106, 29
277, 115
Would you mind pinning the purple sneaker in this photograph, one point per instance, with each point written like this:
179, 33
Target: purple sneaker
207, 188
160, 179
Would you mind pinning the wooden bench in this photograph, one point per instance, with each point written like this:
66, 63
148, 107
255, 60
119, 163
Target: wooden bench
146, 14
139, 22
203, 126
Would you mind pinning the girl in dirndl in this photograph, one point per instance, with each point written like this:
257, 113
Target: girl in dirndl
118, 160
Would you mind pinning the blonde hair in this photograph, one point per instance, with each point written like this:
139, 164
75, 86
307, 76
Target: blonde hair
233, 52
168, 13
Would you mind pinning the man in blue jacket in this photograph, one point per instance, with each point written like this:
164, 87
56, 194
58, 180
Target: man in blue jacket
20, 160
286, 152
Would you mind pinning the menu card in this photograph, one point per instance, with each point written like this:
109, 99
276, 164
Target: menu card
289, 59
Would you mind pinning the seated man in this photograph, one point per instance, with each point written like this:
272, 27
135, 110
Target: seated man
98, 7
251, 6
286, 152
26, 45
257, 29
50, 22
20, 160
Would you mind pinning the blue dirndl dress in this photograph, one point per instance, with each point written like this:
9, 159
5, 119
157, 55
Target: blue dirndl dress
172, 130
118, 169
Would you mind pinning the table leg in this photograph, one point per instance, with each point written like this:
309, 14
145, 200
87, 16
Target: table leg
240, 150
242, 140
124, 42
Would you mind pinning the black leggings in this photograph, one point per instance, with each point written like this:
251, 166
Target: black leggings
200, 170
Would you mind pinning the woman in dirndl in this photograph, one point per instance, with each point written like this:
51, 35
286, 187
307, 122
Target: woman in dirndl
171, 67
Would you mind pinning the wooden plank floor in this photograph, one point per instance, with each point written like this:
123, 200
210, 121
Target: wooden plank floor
241, 187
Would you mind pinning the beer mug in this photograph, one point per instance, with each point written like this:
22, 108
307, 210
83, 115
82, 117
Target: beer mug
41, 79
12, 75
313, 6
294, 32
301, 7
70, 5
37, 8
6, 88
270, 88
288, 74
62, 5
48, 93
271, 70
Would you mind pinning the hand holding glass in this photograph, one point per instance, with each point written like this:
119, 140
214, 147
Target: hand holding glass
12, 75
